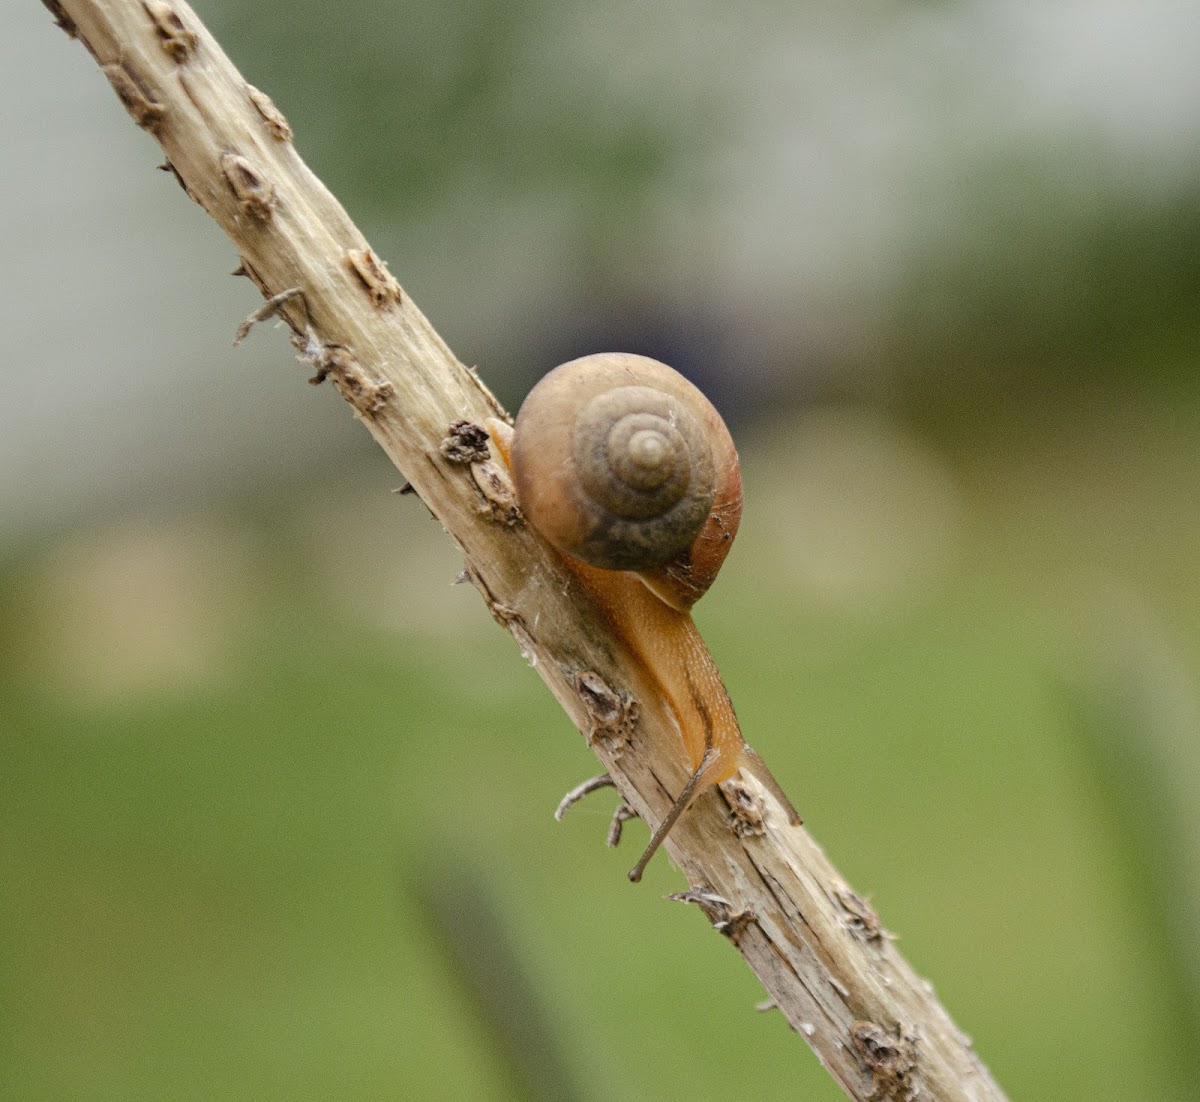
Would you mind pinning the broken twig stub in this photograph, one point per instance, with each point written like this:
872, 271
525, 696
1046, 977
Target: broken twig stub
139, 100
891, 1059
612, 714
746, 808
374, 274
255, 193
268, 309
173, 33
279, 127
860, 917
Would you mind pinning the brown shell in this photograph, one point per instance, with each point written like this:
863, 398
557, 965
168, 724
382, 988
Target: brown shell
621, 462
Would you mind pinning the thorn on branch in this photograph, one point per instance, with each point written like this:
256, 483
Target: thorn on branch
244, 269
700, 897
719, 911
615, 829
592, 784
508, 618
268, 309
61, 18
621, 816
167, 166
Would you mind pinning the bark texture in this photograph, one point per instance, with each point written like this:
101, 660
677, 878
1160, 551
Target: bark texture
817, 947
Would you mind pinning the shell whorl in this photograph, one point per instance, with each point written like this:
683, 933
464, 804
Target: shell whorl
620, 462
646, 469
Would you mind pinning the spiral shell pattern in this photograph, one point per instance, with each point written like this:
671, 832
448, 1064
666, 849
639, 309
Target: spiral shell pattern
619, 461
646, 468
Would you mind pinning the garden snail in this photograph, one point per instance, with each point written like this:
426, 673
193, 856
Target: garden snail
628, 470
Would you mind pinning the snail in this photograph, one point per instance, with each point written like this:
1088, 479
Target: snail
628, 470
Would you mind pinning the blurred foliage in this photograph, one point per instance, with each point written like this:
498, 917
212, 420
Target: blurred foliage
424, 89
1034, 290
275, 797
218, 881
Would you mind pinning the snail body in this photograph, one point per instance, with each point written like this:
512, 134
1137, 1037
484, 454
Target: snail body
629, 471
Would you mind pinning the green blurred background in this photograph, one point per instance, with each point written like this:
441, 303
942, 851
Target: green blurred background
275, 797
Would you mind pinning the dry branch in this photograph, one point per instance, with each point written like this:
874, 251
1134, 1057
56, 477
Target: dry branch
817, 947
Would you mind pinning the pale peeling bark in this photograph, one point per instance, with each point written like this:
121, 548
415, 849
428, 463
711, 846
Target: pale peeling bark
818, 948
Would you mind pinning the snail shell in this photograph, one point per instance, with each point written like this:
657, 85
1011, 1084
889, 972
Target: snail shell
622, 463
